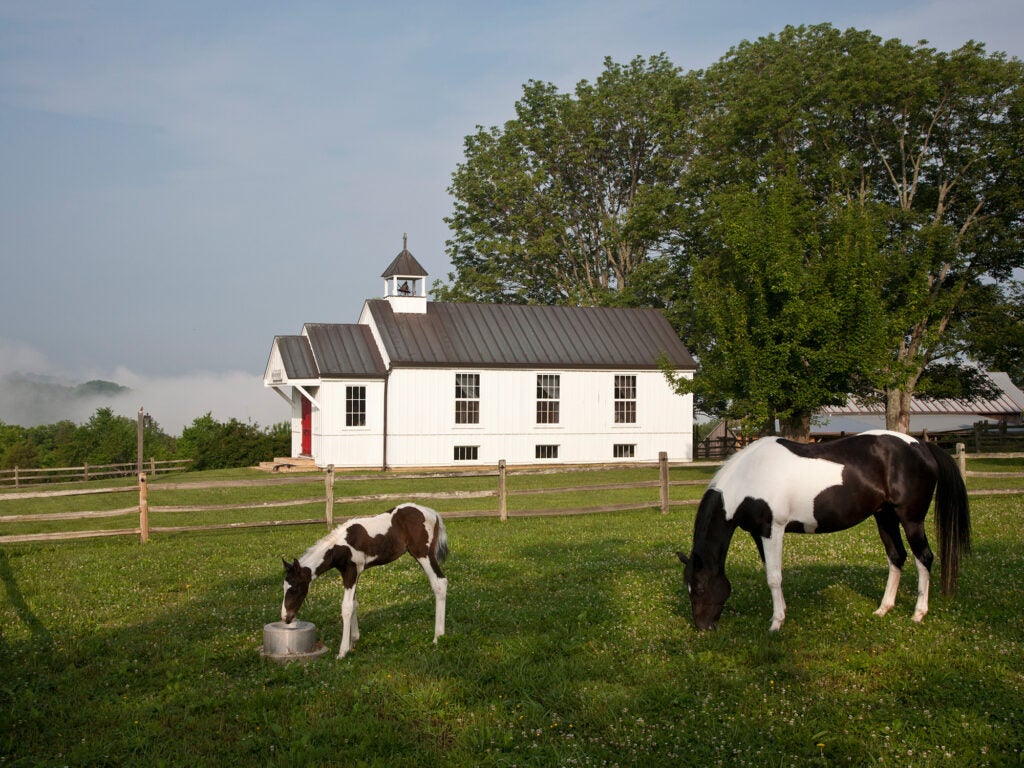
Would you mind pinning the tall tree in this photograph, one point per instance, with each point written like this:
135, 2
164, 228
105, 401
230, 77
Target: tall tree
564, 203
788, 314
926, 143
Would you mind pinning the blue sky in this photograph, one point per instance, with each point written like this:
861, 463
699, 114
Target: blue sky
180, 182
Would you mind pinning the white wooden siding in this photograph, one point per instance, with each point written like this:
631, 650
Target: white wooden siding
422, 429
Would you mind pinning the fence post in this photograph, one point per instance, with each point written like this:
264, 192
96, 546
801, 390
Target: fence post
961, 459
329, 492
85, 470
152, 465
138, 436
143, 508
663, 480
502, 496
15, 476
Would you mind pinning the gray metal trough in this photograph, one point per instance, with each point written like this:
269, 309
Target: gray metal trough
291, 642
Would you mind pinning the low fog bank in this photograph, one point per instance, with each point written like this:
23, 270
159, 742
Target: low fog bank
174, 402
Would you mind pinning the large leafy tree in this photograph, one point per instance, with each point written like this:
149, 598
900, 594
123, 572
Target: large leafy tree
564, 203
924, 144
788, 314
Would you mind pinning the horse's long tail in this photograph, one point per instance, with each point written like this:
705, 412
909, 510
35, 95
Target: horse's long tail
440, 540
952, 516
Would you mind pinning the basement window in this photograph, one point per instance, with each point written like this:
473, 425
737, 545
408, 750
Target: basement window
546, 451
467, 452
624, 451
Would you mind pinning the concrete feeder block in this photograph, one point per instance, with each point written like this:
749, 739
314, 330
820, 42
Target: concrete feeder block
291, 642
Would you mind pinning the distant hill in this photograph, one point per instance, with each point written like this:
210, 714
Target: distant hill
99, 387
32, 399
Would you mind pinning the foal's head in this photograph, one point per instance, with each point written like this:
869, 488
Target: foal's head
296, 586
708, 590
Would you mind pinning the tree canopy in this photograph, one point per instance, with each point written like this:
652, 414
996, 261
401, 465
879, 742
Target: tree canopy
820, 212
107, 438
923, 144
563, 204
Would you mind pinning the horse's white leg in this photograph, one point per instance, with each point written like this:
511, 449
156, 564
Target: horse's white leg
773, 571
355, 617
892, 585
348, 603
439, 585
923, 582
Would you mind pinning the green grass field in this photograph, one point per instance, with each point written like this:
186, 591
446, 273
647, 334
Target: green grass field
569, 644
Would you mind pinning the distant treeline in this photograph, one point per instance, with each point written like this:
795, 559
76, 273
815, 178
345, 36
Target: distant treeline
109, 439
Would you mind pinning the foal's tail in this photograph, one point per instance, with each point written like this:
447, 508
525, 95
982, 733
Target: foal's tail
440, 539
952, 516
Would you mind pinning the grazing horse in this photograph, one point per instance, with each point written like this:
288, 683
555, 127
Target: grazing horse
774, 486
362, 543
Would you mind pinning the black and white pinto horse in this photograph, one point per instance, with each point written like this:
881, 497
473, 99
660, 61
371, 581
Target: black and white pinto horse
362, 543
774, 486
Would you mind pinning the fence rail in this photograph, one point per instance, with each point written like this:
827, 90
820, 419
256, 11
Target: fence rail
330, 500
18, 476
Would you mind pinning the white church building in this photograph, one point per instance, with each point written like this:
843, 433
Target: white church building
416, 383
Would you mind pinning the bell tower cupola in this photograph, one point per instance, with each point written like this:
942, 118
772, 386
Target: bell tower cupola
405, 282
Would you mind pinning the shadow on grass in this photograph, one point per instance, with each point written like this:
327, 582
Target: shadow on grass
39, 633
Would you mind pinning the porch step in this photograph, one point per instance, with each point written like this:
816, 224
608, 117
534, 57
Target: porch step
289, 464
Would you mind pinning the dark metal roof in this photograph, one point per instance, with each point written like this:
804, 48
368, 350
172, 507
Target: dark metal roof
505, 335
297, 357
1009, 401
344, 350
405, 264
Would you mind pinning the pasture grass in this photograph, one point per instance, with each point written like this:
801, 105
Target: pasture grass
569, 644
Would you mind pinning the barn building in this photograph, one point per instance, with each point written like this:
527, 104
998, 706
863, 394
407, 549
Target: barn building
417, 383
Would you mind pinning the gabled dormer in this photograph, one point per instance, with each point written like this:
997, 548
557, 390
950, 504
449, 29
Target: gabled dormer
405, 283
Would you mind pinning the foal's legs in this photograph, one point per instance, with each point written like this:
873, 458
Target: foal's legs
348, 618
772, 550
355, 617
349, 623
439, 584
889, 531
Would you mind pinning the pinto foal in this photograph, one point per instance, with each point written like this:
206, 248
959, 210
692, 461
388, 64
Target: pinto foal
362, 543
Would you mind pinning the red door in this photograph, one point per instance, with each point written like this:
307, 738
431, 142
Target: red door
307, 428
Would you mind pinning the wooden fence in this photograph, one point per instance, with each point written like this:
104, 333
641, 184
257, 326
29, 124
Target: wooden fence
18, 477
330, 500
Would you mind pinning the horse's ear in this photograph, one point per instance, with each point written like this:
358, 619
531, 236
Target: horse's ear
288, 567
683, 558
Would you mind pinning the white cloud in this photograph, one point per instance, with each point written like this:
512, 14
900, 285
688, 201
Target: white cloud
33, 392
176, 401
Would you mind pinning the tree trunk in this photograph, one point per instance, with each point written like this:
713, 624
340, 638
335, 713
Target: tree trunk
897, 409
797, 427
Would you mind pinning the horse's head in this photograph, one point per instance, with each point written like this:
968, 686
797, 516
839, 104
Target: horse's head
708, 590
296, 586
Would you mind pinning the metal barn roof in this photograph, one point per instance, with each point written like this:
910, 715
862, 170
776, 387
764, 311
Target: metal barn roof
344, 350
297, 357
506, 335
328, 350
934, 415
405, 264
